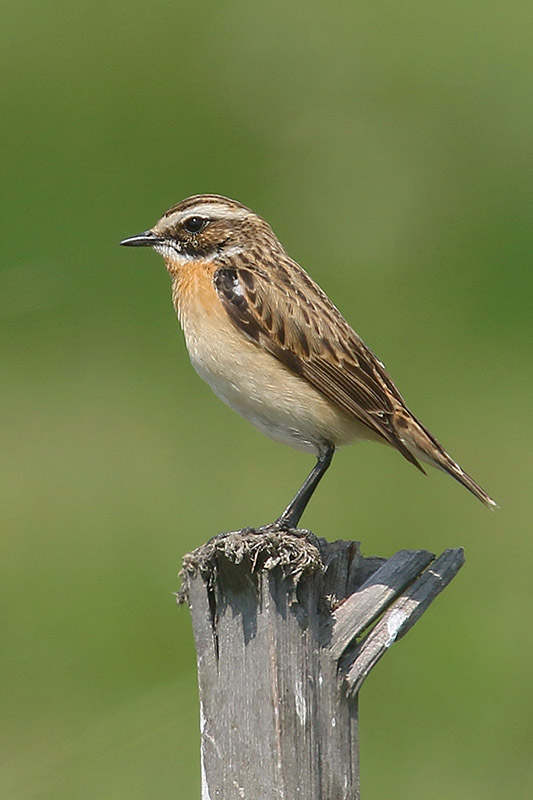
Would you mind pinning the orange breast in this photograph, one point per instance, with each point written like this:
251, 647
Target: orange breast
193, 293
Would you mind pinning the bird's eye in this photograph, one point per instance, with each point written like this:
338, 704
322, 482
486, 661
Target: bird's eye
195, 224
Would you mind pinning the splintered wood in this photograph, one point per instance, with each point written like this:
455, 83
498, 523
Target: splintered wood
285, 631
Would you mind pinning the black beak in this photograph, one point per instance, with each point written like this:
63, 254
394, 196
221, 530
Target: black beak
144, 239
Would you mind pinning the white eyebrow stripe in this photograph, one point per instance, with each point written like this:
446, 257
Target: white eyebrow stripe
211, 210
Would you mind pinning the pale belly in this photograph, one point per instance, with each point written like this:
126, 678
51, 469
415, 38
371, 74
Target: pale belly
279, 404
256, 385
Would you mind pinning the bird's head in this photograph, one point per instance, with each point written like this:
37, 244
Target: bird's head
206, 227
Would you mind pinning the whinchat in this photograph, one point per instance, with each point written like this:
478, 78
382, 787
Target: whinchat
272, 345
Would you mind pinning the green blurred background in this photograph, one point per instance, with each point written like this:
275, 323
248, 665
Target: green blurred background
389, 145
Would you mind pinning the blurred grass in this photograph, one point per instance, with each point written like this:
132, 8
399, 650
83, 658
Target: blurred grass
389, 146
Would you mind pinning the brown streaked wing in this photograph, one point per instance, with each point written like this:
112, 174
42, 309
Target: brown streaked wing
305, 331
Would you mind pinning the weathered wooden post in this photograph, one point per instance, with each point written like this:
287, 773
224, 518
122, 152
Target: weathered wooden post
283, 630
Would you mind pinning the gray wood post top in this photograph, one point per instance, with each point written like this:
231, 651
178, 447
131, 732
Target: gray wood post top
287, 627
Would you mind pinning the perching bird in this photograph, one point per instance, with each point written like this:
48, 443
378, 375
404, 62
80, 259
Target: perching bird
272, 345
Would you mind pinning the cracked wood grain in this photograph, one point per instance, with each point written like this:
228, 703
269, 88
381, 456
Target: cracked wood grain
276, 620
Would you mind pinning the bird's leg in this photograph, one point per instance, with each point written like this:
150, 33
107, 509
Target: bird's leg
291, 516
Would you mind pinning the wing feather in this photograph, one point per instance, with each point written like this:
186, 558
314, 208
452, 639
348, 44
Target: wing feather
305, 332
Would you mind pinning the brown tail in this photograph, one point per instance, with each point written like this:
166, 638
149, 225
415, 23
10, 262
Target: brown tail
463, 477
424, 446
